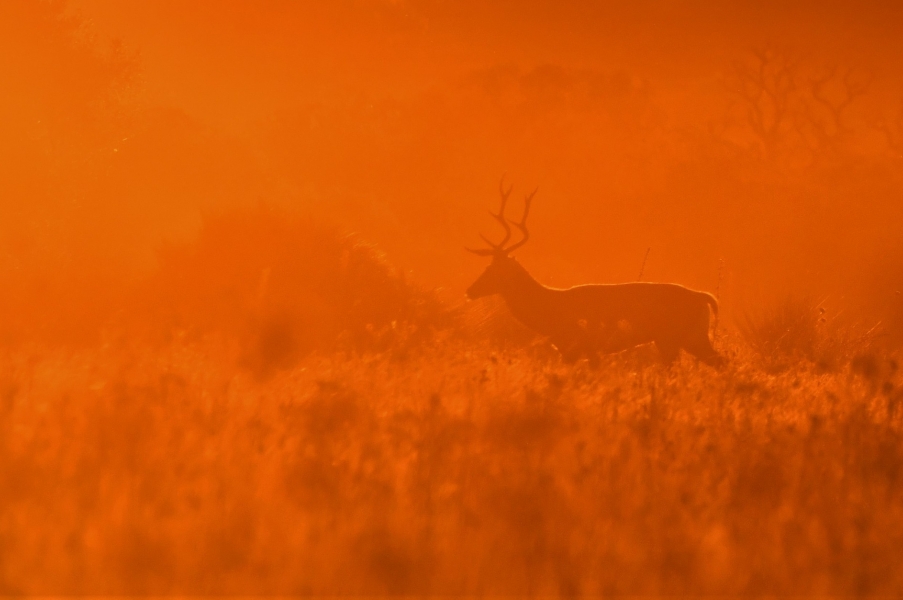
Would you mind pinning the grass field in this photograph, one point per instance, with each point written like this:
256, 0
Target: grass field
456, 467
235, 353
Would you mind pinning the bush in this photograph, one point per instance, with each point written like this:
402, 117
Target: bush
285, 286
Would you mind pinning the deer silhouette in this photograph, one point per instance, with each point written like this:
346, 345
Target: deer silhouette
593, 319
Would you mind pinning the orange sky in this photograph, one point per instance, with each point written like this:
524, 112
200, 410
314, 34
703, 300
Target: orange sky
396, 120
236, 61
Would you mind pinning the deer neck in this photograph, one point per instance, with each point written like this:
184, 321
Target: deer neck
527, 299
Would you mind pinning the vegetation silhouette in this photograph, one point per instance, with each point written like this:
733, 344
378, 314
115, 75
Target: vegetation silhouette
286, 286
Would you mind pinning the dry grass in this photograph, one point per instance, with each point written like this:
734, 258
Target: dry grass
277, 411
801, 330
455, 469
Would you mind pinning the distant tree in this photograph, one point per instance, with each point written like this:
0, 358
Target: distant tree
892, 128
826, 107
767, 85
63, 109
790, 108
58, 78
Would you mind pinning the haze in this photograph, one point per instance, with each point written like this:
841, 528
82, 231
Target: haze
396, 120
257, 186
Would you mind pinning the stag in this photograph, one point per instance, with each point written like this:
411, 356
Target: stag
593, 319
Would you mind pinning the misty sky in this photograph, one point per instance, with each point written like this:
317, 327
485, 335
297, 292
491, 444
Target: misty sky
396, 119
236, 61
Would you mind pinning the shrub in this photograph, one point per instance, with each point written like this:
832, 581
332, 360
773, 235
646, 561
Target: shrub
285, 286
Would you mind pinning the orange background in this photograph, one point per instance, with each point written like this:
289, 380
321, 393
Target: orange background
127, 123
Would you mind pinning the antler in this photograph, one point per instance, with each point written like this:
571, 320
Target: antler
523, 223
499, 248
500, 217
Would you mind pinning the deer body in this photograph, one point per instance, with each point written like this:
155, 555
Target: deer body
601, 318
598, 318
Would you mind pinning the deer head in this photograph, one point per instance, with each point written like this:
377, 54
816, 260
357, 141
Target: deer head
503, 270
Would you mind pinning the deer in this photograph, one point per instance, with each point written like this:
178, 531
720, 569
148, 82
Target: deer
585, 321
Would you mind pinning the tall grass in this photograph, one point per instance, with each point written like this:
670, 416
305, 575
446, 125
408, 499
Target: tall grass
280, 412
454, 468
797, 330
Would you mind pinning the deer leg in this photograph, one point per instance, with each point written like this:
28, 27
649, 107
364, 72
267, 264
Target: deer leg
668, 350
571, 356
702, 349
568, 348
715, 360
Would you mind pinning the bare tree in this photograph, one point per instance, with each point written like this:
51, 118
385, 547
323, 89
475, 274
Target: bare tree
791, 108
827, 105
766, 83
892, 129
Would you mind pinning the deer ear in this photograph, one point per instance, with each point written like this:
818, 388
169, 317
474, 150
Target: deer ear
481, 251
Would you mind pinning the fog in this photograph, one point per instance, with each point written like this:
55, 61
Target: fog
233, 259
127, 123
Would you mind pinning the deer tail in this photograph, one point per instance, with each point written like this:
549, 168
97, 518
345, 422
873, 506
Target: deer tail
711, 301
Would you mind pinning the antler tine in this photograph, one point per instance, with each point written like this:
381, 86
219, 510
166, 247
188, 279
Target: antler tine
528, 200
500, 217
488, 241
